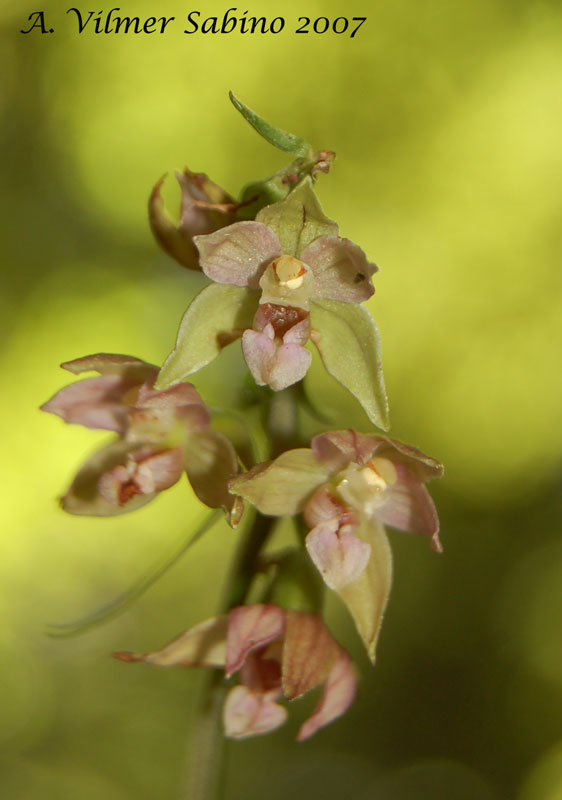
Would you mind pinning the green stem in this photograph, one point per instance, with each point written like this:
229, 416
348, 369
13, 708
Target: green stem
203, 780
203, 774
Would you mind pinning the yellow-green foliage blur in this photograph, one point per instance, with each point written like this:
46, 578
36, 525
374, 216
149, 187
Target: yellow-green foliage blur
446, 120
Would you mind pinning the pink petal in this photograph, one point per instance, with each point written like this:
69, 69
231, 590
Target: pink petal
341, 269
289, 365
141, 475
410, 508
183, 394
160, 471
94, 403
424, 467
250, 627
339, 448
323, 506
238, 254
338, 695
259, 349
337, 553
247, 713
299, 333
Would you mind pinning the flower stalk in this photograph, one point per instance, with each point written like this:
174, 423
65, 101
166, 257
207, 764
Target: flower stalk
281, 281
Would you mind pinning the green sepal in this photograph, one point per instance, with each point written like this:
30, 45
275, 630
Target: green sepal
216, 317
280, 488
367, 596
298, 220
349, 345
287, 142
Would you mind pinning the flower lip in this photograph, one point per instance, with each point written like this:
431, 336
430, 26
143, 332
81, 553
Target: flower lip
290, 271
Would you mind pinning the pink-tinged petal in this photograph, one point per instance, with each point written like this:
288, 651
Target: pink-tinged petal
309, 652
250, 627
337, 553
238, 254
247, 713
109, 364
339, 448
280, 488
424, 467
210, 462
324, 506
183, 394
288, 366
94, 402
409, 507
160, 471
299, 333
274, 364
144, 475
339, 693
341, 270
84, 496
259, 350
201, 646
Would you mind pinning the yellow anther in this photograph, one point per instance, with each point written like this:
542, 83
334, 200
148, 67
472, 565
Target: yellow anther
290, 271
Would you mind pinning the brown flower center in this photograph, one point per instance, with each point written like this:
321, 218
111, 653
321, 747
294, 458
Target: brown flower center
282, 318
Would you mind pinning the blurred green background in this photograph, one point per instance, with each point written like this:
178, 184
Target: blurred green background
446, 120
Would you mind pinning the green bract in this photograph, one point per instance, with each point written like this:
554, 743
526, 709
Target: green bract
275, 136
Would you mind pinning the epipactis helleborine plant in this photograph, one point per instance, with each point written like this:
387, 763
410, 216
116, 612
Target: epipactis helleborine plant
280, 279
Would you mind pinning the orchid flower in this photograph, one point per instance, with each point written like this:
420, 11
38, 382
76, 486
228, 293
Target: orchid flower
278, 281
161, 435
276, 653
349, 486
204, 208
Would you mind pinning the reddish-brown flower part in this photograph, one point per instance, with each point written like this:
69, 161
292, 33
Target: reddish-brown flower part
276, 653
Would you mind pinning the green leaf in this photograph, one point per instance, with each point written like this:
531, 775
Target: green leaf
121, 603
216, 317
367, 596
275, 136
348, 342
298, 220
